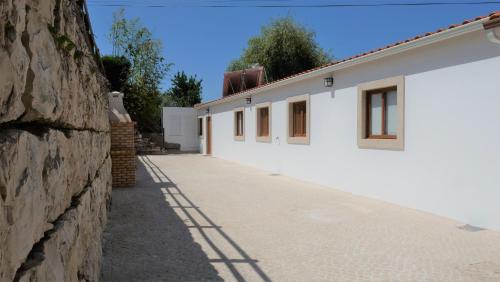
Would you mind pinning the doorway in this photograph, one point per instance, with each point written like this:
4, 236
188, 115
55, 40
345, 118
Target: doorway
209, 135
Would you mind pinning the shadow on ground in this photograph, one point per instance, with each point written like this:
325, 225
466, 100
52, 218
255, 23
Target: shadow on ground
147, 240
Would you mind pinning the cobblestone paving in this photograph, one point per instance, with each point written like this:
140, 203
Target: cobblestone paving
254, 226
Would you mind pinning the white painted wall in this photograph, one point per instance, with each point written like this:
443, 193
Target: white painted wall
451, 162
180, 125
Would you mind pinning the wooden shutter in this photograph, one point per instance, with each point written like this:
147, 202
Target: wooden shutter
299, 128
264, 121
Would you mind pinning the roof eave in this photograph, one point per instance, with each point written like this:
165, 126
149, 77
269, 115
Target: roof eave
424, 41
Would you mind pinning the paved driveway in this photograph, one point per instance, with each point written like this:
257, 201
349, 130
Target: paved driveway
195, 218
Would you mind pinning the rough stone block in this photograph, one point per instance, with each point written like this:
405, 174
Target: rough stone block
40, 174
72, 249
49, 74
55, 170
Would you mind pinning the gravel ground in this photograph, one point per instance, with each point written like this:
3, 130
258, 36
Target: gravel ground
195, 218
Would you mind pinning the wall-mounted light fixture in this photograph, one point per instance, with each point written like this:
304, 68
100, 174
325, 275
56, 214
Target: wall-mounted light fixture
207, 110
249, 100
328, 81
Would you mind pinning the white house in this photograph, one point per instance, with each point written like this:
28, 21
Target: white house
416, 123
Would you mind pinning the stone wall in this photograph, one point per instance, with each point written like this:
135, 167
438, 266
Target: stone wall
123, 154
55, 174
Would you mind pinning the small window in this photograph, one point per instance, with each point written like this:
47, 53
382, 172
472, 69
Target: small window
298, 119
239, 124
263, 117
299, 126
263, 123
200, 126
381, 114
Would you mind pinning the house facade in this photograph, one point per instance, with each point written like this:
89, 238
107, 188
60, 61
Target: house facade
416, 123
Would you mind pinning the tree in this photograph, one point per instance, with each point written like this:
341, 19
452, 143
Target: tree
117, 71
136, 43
284, 48
185, 92
145, 108
148, 67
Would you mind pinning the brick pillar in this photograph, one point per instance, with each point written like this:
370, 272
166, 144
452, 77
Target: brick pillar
123, 154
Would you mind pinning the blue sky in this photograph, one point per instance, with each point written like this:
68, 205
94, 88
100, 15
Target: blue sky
203, 41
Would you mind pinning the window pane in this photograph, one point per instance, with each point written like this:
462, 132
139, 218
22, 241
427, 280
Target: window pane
239, 123
265, 122
376, 114
259, 123
392, 107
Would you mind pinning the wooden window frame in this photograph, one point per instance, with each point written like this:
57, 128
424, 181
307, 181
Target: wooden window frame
235, 124
304, 140
258, 107
383, 113
385, 141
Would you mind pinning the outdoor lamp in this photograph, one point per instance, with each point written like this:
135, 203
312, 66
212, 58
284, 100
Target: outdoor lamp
207, 110
249, 100
328, 81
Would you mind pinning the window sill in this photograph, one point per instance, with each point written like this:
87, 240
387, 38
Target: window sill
263, 139
298, 140
239, 138
395, 144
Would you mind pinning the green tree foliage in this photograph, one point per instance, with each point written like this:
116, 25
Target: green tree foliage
148, 67
143, 107
185, 91
284, 48
117, 71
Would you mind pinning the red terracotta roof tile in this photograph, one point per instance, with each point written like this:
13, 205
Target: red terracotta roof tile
491, 16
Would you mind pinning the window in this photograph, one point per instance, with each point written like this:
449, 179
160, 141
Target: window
299, 127
200, 127
263, 123
239, 124
263, 117
381, 114
298, 119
